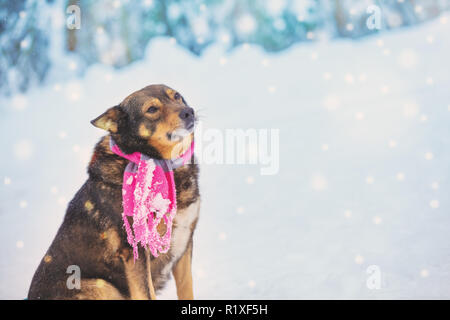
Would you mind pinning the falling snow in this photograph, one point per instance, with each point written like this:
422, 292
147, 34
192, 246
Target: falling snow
362, 175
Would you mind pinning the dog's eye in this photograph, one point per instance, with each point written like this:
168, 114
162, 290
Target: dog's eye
152, 110
177, 96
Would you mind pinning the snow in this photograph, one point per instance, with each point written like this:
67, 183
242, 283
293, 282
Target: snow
363, 180
160, 205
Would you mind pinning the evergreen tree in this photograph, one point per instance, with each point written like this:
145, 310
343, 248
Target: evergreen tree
116, 32
24, 44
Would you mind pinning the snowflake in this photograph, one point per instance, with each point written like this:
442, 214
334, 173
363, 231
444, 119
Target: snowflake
424, 273
246, 24
265, 62
271, 89
62, 200
62, 135
275, 7
19, 102
327, 76
407, 59
359, 259
410, 109
435, 185
434, 204
73, 66
429, 156
225, 38
23, 204
200, 26
117, 4
362, 77
76, 148
385, 89
348, 214
331, 102
23, 149
392, 143
349, 78
74, 91
148, 3
370, 180
222, 236
377, 220
319, 182
359, 116
223, 61
7, 181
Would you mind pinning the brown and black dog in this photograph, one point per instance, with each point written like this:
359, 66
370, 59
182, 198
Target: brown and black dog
92, 236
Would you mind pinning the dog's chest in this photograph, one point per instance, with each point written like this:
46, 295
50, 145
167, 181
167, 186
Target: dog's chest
181, 233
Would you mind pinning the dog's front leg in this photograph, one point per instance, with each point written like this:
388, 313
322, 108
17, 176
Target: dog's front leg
182, 273
139, 277
151, 288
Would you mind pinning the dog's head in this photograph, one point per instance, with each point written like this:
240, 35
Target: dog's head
155, 120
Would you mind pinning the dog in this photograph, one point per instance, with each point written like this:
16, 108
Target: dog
92, 236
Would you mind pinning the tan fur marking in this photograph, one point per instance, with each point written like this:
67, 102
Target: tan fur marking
152, 102
160, 141
107, 121
105, 143
99, 283
149, 276
143, 131
98, 289
88, 205
112, 238
171, 93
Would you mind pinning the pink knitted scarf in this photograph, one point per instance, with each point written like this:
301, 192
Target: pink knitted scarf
149, 197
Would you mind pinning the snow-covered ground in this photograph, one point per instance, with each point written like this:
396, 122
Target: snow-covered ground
364, 165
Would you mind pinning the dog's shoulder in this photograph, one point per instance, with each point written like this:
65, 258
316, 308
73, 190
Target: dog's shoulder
105, 165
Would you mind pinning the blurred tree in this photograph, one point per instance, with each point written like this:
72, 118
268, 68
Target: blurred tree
24, 44
116, 32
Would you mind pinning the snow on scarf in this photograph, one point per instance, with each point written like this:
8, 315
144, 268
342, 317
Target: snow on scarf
149, 196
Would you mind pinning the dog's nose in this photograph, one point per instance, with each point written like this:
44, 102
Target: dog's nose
187, 115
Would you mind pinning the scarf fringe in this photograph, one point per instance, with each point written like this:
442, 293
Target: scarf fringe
143, 200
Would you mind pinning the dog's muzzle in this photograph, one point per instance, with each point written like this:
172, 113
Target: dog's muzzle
187, 114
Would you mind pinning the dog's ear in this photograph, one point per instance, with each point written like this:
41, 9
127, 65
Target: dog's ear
109, 120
